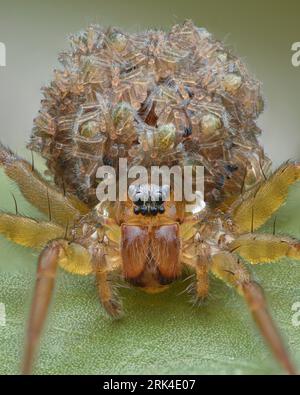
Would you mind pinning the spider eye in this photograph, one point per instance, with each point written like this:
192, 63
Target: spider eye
148, 199
161, 209
144, 210
153, 210
137, 210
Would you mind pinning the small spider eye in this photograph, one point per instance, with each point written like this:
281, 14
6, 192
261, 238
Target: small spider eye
144, 210
153, 210
148, 199
161, 209
137, 210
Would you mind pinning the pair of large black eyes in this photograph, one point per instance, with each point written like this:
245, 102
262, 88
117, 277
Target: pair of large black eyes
149, 210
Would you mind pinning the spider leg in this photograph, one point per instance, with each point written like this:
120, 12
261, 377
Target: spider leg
258, 204
38, 191
201, 269
197, 258
265, 248
46, 273
71, 257
107, 291
27, 231
228, 268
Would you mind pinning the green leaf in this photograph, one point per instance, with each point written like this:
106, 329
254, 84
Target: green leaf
160, 333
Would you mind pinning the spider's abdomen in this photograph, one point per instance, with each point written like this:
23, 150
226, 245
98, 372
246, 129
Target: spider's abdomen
155, 98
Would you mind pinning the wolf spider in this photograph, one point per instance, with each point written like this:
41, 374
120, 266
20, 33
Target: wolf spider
148, 244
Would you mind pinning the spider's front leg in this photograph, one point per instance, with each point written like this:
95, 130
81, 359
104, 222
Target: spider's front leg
228, 268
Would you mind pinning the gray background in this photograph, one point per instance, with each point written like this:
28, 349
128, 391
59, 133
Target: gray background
261, 32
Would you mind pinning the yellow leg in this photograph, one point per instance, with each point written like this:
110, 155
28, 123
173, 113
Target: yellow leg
227, 267
256, 206
265, 248
49, 200
29, 232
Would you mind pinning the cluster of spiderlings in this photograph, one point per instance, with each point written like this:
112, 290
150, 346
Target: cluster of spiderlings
155, 98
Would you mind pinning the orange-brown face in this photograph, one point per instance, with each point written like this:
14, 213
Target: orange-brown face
150, 255
150, 241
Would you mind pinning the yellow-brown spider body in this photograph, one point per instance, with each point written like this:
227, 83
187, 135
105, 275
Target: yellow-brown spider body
154, 98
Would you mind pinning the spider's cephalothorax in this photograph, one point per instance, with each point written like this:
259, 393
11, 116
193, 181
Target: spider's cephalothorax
177, 98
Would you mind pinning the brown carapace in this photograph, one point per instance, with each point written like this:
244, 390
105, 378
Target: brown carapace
154, 98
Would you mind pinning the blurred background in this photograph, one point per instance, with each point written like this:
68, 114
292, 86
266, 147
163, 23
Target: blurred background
261, 32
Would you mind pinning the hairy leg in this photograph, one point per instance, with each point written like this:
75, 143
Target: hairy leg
107, 291
49, 200
229, 269
29, 232
265, 248
46, 273
256, 206
202, 284
71, 257
196, 256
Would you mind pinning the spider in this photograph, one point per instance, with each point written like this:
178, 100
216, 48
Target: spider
155, 98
